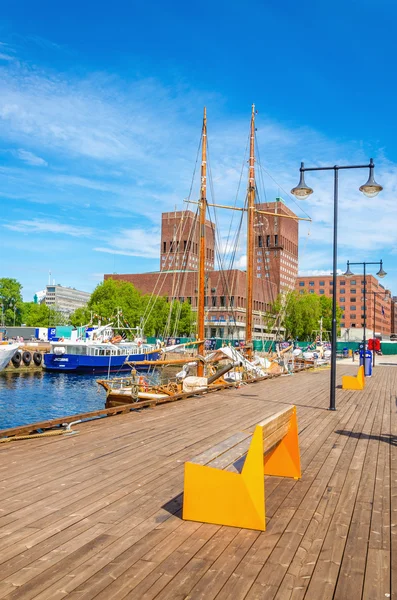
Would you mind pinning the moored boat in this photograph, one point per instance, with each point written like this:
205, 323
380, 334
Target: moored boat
7, 351
97, 357
100, 352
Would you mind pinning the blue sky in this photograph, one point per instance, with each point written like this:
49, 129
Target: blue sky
100, 117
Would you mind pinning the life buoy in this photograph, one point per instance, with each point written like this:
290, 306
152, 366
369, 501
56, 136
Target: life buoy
27, 358
37, 358
16, 359
143, 386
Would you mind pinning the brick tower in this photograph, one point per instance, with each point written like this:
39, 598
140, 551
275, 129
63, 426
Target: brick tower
179, 249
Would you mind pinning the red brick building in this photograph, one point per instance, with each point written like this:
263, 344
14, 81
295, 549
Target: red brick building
350, 298
276, 245
276, 267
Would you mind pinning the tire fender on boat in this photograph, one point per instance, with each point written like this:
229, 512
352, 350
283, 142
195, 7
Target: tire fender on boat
37, 358
27, 358
16, 359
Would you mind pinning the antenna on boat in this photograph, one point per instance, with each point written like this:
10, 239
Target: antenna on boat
250, 238
201, 272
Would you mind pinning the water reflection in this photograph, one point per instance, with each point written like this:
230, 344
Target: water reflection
27, 397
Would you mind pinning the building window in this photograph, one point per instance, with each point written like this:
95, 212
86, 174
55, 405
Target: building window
342, 291
342, 283
352, 316
342, 299
260, 241
213, 300
231, 300
222, 301
164, 246
322, 283
311, 291
301, 283
301, 291
276, 240
353, 282
352, 307
321, 291
352, 291
311, 283
267, 241
352, 300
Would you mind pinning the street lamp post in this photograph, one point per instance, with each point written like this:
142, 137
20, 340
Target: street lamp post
302, 191
381, 273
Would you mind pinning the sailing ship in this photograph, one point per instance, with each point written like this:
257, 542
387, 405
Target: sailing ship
228, 365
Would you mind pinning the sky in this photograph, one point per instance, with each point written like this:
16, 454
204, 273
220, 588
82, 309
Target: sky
100, 118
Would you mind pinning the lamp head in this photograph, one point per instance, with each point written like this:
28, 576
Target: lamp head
371, 188
348, 273
381, 273
302, 191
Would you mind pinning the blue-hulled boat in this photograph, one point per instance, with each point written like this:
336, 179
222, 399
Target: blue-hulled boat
98, 353
97, 358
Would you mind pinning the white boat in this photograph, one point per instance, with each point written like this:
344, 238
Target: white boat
7, 351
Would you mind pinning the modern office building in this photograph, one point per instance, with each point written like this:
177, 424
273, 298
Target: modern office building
275, 264
350, 298
64, 299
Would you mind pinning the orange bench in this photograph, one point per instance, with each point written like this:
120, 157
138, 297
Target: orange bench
354, 383
215, 491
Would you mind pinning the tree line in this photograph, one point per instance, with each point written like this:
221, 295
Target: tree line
300, 314
108, 297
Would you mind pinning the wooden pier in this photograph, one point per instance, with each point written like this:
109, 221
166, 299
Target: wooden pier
98, 514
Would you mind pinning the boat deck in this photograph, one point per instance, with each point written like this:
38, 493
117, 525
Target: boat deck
98, 515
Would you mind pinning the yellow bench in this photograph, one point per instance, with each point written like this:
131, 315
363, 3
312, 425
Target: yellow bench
215, 491
354, 383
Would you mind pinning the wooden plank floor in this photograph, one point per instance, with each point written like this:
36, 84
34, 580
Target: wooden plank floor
98, 515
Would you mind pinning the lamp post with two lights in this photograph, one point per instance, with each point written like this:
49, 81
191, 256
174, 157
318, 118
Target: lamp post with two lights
302, 191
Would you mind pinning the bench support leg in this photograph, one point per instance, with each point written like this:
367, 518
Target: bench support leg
224, 498
284, 459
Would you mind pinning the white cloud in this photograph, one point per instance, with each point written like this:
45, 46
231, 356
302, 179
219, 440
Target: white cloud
41, 226
129, 150
6, 57
133, 242
30, 158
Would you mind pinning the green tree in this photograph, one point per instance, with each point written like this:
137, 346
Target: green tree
326, 313
81, 316
113, 295
11, 301
302, 314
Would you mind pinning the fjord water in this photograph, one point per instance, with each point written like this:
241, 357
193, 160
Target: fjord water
30, 397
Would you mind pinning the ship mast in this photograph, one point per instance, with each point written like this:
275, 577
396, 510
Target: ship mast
250, 239
202, 248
